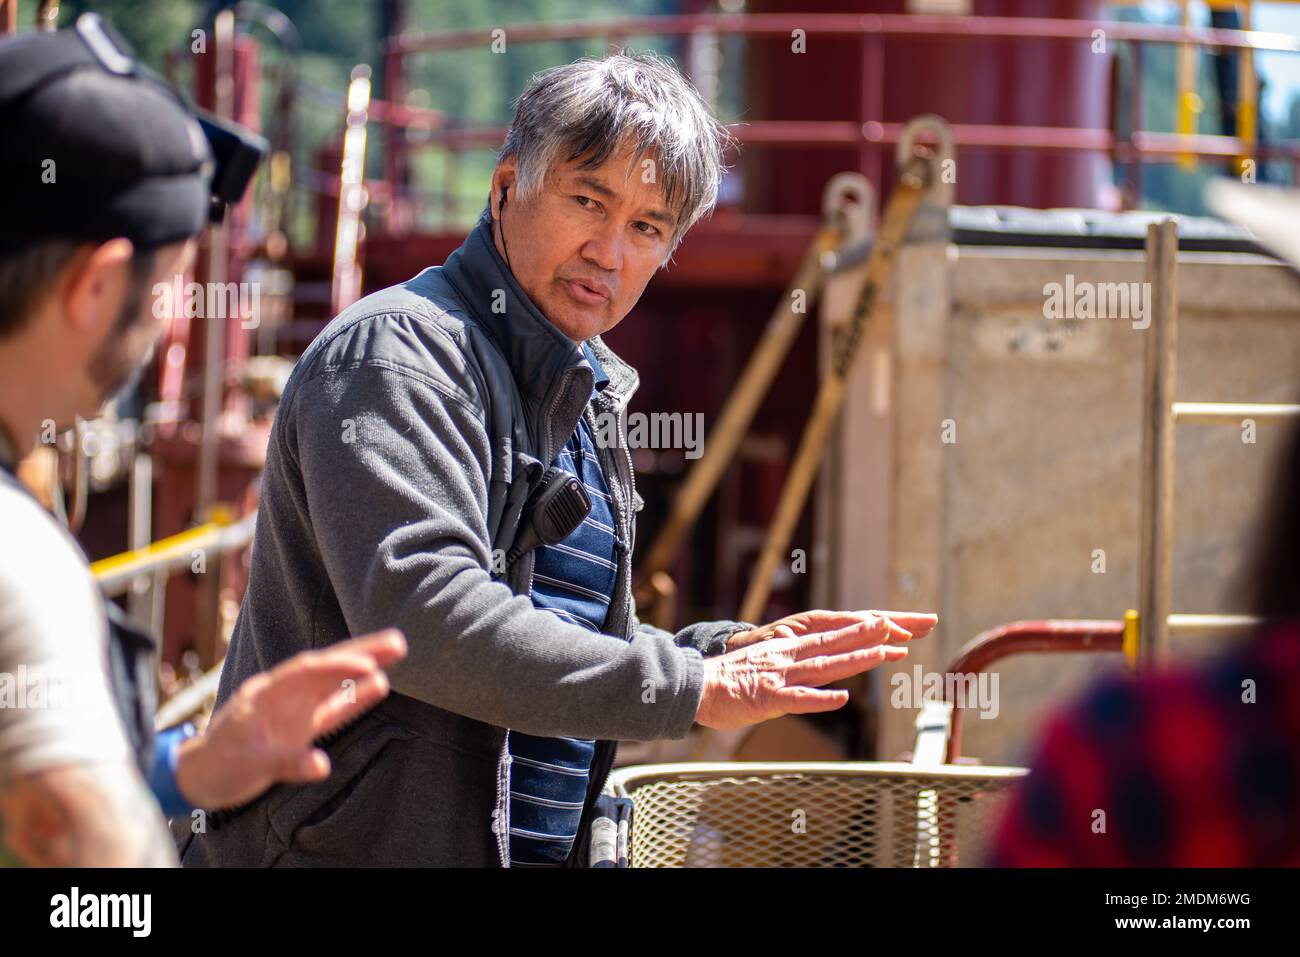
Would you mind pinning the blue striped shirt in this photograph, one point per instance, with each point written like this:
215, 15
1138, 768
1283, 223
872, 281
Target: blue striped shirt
573, 579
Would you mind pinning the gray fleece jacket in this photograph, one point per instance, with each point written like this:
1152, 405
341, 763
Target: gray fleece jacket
408, 439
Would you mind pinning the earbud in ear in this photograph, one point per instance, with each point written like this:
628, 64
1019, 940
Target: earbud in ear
500, 228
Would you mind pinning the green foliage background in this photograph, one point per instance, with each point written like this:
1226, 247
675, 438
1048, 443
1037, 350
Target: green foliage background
475, 86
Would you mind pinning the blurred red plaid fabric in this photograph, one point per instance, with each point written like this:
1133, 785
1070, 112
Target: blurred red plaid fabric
1190, 768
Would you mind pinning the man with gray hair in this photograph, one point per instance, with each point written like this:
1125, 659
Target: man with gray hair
434, 466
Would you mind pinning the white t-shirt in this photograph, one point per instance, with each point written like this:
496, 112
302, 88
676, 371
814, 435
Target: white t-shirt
56, 707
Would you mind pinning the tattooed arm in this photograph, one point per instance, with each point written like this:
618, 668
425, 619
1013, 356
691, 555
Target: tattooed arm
83, 815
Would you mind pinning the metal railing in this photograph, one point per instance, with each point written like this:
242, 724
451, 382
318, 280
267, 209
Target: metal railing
867, 131
1018, 637
144, 572
116, 574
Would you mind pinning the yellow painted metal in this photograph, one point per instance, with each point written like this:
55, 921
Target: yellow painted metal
153, 553
1247, 103
1132, 637
1189, 101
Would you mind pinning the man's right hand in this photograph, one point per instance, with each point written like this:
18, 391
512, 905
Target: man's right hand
786, 675
264, 733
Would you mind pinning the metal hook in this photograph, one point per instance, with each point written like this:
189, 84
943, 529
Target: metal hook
941, 190
851, 197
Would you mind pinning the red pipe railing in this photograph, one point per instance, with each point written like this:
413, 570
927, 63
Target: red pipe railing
1018, 637
867, 132
847, 24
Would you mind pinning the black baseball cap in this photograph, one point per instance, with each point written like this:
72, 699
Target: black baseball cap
94, 145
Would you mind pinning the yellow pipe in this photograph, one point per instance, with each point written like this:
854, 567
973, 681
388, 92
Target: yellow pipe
1189, 103
1247, 124
1132, 637
1247, 101
1190, 107
164, 548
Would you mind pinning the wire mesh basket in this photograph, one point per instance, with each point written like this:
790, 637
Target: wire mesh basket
805, 814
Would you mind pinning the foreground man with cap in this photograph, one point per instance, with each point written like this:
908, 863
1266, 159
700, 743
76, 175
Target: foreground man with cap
108, 179
450, 457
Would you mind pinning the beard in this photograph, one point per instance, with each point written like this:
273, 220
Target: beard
116, 368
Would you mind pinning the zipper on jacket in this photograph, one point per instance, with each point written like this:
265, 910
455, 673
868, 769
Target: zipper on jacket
529, 561
503, 802
629, 514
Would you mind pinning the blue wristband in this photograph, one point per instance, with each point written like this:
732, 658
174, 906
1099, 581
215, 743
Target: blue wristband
162, 778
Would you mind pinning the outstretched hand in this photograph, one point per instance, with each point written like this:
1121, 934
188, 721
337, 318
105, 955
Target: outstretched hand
783, 668
900, 626
263, 734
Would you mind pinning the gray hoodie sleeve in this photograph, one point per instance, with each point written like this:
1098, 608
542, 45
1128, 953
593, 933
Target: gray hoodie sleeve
393, 463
